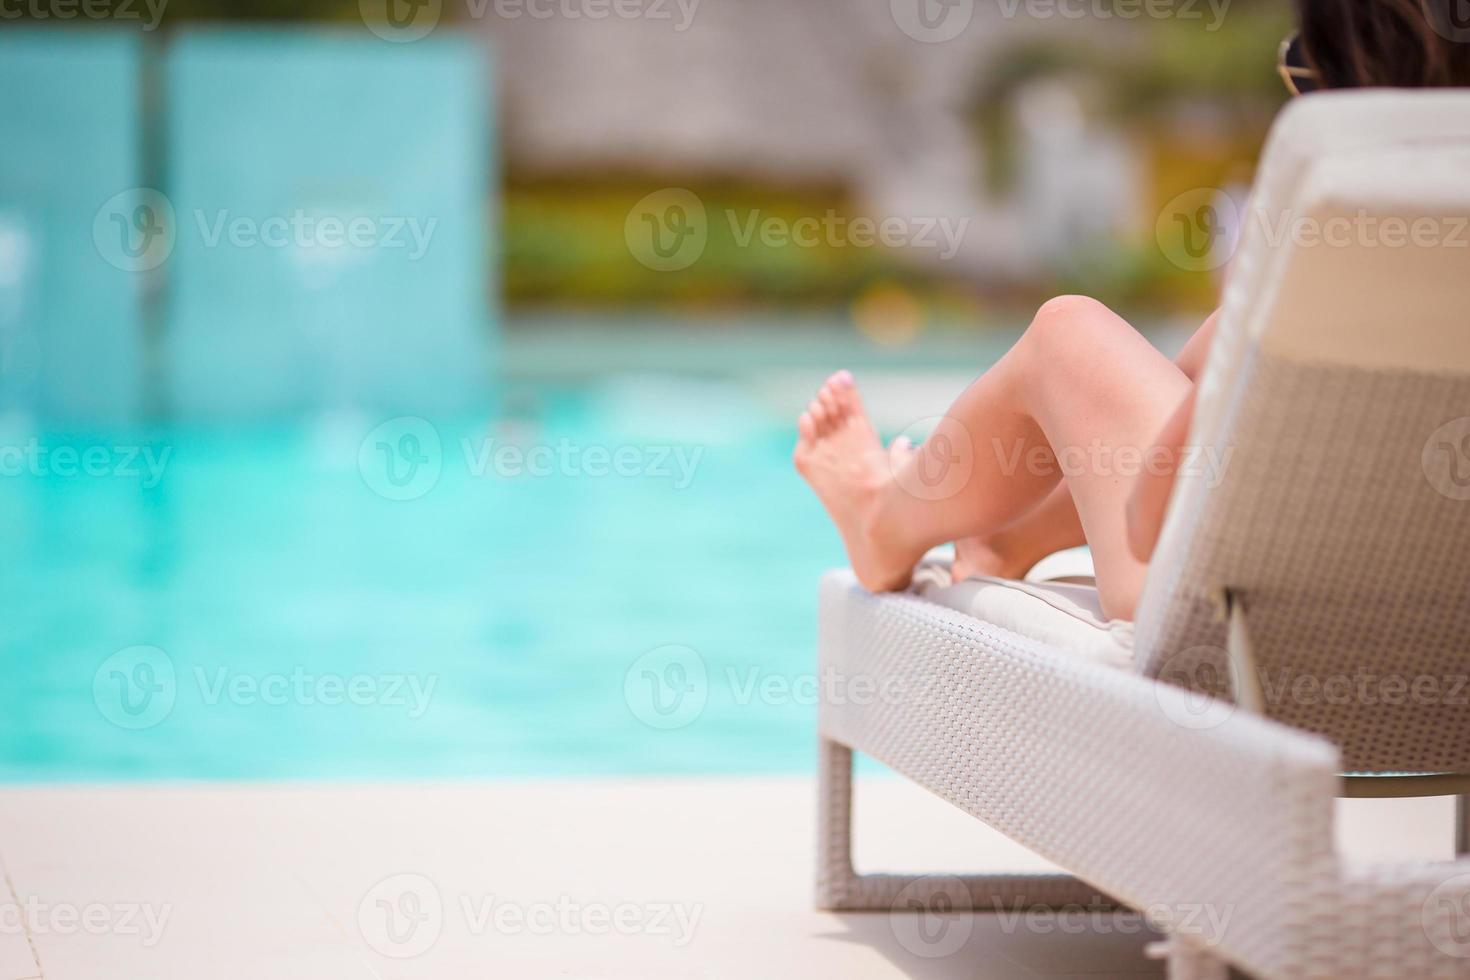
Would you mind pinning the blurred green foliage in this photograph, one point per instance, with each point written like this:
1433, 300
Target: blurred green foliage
263, 10
1163, 68
1197, 102
564, 242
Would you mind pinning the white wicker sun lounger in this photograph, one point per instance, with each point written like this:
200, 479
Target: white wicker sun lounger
1320, 592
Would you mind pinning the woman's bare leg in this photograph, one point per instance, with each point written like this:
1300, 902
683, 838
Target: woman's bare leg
1012, 551
1078, 387
1053, 524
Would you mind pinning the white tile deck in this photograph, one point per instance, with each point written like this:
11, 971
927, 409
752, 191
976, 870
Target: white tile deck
279, 882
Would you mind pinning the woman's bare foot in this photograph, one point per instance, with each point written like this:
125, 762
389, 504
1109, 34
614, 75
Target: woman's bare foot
841, 457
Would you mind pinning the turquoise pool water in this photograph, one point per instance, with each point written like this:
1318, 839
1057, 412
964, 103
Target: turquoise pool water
248, 602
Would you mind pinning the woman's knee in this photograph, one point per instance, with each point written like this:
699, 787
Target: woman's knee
1070, 328
1062, 321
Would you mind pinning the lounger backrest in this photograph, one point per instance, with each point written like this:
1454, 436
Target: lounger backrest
1337, 400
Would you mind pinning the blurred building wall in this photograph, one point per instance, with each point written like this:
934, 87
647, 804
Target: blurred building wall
71, 336
243, 223
326, 131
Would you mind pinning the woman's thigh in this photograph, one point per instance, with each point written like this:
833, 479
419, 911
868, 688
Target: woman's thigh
1101, 393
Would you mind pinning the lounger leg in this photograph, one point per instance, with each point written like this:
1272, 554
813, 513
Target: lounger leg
841, 888
1183, 961
1462, 825
836, 879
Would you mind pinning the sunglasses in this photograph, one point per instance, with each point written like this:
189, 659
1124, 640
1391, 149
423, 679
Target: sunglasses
1291, 64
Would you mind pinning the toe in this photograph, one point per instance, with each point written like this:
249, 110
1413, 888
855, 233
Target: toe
806, 428
900, 450
830, 402
818, 412
846, 391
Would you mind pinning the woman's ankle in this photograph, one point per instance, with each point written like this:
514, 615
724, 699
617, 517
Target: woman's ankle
891, 527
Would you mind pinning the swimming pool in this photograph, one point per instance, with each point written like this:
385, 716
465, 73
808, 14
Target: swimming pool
610, 577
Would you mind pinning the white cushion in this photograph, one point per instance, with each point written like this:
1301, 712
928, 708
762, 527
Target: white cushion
1064, 614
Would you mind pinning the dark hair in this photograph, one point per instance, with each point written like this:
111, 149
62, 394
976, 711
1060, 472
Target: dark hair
1396, 43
